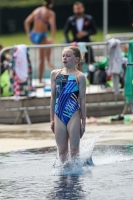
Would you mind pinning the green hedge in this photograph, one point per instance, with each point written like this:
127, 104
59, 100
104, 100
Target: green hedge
23, 3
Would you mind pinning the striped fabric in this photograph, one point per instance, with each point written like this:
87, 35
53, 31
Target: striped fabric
26, 87
66, 97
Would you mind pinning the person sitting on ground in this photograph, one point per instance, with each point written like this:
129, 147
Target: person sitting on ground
42, 17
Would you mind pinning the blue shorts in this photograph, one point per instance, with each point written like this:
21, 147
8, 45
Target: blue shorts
36, 37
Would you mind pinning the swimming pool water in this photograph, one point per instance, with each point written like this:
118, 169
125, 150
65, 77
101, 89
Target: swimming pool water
28, 175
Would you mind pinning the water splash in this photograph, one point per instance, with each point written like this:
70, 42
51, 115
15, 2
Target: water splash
73, 166
88, 147
81, 164
77, 166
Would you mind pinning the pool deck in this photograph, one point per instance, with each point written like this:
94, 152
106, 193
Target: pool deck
22, 137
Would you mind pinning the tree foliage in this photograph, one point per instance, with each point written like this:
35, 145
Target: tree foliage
24, 3
19, 3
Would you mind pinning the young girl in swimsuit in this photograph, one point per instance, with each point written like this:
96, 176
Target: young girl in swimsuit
42, 17
67, 116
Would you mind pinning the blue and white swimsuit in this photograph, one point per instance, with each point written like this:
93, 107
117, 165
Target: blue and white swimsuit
67, 91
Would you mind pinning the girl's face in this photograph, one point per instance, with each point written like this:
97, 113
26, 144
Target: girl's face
69, 59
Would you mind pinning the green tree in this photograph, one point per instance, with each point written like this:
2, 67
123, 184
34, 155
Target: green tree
23, 3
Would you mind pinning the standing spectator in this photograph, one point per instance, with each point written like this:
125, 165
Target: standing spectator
82, 26
42, 17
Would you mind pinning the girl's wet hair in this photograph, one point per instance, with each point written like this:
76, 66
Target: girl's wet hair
77, 53
47, 2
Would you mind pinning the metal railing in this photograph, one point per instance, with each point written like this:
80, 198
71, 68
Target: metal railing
121, 36
26, 104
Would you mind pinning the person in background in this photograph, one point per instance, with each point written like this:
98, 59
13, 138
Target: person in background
42, 17
5, 57
5, 65
67, 117
82, 27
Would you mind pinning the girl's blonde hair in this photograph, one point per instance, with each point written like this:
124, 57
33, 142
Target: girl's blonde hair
77, 53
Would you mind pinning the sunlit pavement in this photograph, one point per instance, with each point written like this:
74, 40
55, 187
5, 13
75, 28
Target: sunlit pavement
21, 137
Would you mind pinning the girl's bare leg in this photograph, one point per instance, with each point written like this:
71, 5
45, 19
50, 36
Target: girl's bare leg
48, 53
73, 128
61, 137
41, 64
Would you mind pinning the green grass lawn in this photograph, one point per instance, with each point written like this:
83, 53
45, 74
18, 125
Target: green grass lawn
21, 38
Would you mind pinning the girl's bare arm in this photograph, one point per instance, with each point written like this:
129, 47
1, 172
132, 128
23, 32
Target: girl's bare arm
53, 98
28, 21
52, 21
82, 96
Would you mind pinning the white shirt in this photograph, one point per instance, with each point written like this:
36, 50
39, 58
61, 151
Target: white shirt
79, 24
21, 63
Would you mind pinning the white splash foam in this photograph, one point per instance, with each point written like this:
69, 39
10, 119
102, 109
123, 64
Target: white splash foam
83, 163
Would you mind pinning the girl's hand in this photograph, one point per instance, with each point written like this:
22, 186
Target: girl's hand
52, 126
82, 130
